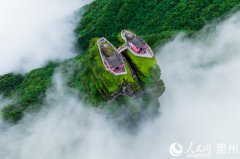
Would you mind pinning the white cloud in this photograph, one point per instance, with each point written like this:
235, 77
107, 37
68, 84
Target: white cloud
201, 104
33, 32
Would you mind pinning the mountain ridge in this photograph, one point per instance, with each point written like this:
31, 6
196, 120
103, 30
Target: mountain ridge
28, 90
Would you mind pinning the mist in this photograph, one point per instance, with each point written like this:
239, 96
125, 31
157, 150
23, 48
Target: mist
200, 105
34, 32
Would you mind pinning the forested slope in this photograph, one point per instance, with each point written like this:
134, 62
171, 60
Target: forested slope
154, 19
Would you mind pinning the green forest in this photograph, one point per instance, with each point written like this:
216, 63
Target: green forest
156, 21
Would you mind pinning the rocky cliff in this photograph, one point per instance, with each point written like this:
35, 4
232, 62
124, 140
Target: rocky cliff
132, 96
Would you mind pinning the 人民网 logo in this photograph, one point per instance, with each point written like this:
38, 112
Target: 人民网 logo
176, 149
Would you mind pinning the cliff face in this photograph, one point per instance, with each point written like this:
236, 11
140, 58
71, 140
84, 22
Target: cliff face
130, 95
91, 77
87, 74
155, 21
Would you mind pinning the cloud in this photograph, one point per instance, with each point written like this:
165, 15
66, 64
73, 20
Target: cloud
64, 129
201, 102
200, 105
33, 32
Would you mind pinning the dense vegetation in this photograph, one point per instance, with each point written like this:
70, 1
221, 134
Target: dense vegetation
85, 73
9, 83
27, 92
155, 20
90, 76
99, 86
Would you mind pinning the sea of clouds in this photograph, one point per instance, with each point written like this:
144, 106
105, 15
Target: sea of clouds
200, 106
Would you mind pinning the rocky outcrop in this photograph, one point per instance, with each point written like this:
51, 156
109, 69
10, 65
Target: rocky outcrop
131, 96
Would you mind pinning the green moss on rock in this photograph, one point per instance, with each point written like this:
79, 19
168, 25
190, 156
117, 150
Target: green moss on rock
156, 22
146, 69
91, 76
